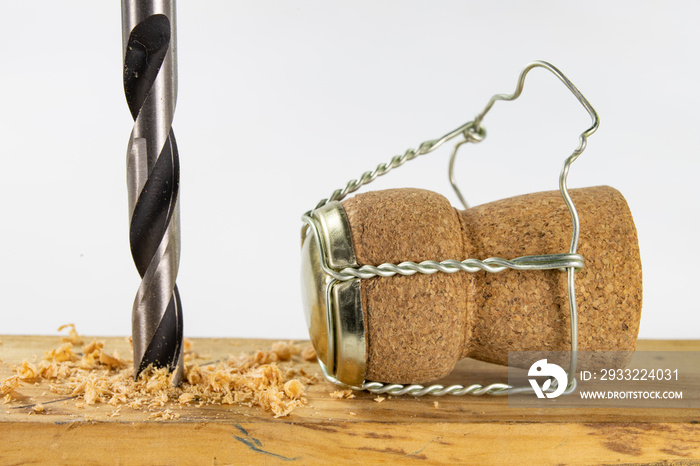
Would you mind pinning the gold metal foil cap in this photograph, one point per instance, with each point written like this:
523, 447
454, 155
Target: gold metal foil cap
333, 308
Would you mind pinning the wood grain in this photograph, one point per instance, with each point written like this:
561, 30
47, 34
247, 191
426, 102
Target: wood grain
472, 430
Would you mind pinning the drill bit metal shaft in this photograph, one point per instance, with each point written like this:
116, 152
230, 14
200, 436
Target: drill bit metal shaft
153, 176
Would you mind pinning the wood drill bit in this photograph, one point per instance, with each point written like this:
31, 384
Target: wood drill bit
153, 175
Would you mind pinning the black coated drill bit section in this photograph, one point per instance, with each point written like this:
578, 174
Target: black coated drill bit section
153, 173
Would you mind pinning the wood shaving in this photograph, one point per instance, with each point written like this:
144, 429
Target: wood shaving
9, 385
166, 415
285, 350
63, 353
342, 394
379, 399
73, 336
112, 362
436, 404
38, 408
352, 413
309, 354
186, 345
93, 377
294, 389
27, 371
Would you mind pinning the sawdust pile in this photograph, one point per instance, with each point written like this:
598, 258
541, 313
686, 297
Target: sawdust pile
265, 378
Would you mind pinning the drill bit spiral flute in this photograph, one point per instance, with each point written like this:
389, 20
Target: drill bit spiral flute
153, 175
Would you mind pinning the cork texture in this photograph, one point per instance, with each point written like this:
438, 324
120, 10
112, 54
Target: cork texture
529, 311
414, 325
418, 327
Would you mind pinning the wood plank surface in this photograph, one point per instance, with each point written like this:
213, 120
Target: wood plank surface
463, 430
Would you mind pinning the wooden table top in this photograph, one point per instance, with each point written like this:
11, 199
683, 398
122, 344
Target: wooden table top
475, 430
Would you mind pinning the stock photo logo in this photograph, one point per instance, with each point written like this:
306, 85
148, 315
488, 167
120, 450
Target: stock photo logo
542, 368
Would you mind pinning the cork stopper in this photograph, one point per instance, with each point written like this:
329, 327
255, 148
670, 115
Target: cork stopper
417, 327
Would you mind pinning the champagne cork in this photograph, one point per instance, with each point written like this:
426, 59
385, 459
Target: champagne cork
417, 327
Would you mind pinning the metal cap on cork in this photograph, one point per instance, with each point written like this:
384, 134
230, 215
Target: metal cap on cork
333, 308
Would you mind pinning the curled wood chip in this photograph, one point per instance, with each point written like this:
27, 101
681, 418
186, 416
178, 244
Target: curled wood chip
73, 336
63, 353
27, 371
186, 398
294, 389
285, 350
38, 408
110, 361
186, 345
309, 354
342, 394
93, 347
9, 385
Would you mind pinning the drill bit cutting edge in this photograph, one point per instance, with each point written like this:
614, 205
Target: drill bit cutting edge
153, 176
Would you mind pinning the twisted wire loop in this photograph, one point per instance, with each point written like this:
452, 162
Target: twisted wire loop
153, 177
474, 132
437, 390
468, 130
491, 265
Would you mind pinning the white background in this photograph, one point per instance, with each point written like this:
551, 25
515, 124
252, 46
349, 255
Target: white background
281, 102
